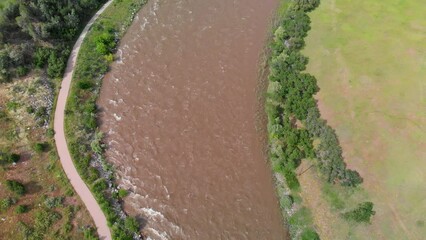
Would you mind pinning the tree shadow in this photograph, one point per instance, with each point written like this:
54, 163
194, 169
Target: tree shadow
33, 187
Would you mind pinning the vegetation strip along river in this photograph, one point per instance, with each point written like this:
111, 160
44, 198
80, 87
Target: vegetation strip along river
61, 144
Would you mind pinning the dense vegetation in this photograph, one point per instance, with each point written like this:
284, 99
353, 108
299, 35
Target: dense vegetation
296, 130
362, 213
38, 33
84, 139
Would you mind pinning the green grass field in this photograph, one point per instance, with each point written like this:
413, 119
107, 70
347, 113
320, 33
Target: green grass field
369, 57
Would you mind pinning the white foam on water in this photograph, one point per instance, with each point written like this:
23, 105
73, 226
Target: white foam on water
120, 54
112, 102
162, 235
117, 117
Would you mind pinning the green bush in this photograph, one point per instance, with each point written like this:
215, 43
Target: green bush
41, 56
55, 66
6, 203
9, 158
12, 106
362, 213
90, 234
309, 234
291, 179
53, 202
41, 147
21, 209
131, 224
15, 187
21, 71
122, 193
105, 42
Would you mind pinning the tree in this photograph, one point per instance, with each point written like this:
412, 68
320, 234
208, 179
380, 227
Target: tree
309, 234
362, 213
131, 224
351, 178
21, 209
306, 5
56, 65
15, 187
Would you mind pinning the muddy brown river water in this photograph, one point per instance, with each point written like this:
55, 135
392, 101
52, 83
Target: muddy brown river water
179, 107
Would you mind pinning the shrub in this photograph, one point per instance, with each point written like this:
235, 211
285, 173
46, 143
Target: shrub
122, 193
15, 187
291, 179
56, 65
12, 106
6, 203
309, 234
41, 56
53, 202
41, 147
131, 224
362, 213
306, 5
84, 84
89, 234
105, 43
8, 158
21, 209
21, 71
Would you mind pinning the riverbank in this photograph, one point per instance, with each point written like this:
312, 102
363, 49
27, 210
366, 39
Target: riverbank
61, 144
84, 142
297, 133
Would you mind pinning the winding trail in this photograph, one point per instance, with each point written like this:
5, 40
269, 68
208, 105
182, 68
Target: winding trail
61, 144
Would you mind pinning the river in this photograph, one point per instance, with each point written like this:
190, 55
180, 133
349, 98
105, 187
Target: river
179, 108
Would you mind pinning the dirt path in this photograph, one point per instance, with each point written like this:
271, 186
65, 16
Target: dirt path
61, 144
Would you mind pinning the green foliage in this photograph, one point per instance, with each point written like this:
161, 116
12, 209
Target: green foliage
41, 56
309, 234
55, 65
362, 213
25, 30
105, 42
21, 209
131, 224
8, 158
301, 217
329, 153
306, 5
15, 187
122, 193
21, 71
53, 202
12, 106
294, 122
291, 179
6, 203
41, 147
90, 234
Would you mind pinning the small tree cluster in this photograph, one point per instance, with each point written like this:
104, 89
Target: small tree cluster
8, 158
329, 152
362, 213
15, 187
33, 33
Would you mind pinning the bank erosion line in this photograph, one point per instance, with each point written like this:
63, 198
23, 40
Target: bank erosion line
61, 144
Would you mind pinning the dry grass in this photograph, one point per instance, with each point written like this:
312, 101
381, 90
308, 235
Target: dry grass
41, 173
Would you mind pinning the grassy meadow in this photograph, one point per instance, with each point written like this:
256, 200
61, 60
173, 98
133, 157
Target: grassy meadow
369, 57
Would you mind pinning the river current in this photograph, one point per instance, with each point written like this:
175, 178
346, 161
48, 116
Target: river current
179, 108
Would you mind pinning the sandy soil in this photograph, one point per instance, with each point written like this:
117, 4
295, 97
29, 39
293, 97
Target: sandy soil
61, 144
